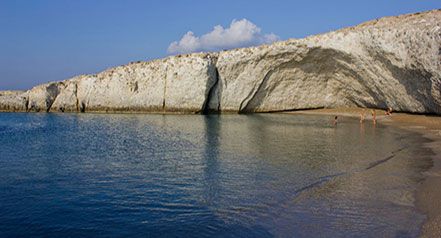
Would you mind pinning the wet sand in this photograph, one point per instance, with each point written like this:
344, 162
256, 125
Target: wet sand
428, 195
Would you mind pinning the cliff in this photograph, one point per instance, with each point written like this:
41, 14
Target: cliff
390, 62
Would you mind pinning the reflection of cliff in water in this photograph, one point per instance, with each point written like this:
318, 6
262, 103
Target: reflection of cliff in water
212, 183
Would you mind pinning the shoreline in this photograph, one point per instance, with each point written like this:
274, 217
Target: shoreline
428, 193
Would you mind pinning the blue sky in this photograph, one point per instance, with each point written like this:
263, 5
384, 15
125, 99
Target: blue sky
51, 40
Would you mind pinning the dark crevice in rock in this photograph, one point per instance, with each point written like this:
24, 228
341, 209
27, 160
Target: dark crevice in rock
77, 104
163, 104
245, 99
135, 87
82, 107
50, 103
211, 96
252, 96
165, 90
27, 103
53, 90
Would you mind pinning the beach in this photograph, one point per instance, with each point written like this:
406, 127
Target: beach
428, 196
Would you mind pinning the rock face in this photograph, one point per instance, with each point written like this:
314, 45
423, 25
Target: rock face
175, 84
391, 62
12, 101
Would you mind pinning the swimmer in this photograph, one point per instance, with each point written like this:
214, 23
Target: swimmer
335, 120
374, 116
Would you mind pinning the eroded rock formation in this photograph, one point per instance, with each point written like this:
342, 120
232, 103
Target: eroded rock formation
391, 62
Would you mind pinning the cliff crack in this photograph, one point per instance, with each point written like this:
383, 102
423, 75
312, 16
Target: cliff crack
212, 92
27, 103
165, 89
244, 108
50, 101
77, 103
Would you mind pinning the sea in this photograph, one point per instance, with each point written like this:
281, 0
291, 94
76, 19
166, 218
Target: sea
228, 175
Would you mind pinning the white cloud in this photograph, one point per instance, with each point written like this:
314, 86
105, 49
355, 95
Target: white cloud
241, 33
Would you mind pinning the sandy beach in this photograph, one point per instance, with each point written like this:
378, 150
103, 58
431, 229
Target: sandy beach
428, 195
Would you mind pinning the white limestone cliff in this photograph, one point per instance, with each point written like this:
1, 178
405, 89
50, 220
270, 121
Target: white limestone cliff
175, 84
391, 62
13, 101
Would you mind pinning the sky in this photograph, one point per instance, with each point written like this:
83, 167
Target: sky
52, 40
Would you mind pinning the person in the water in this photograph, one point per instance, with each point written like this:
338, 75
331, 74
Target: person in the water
335, 120
374, 116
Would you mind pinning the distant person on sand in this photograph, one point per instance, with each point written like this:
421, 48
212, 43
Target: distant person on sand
335, 120
389, 111
362, 115
374, 116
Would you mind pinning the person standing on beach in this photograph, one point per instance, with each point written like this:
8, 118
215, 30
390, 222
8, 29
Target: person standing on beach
362, 115
374, 116
389, 111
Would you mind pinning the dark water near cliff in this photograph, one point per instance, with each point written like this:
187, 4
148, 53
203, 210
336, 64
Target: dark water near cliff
206, 176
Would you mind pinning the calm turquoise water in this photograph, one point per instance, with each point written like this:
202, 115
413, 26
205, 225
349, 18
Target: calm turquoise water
271, 175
